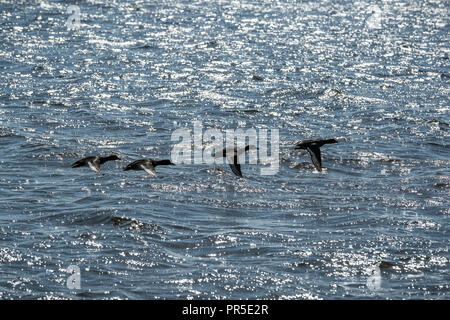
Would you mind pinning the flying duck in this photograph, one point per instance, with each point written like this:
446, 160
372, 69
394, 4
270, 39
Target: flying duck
148, 165
94, 162
232, 154
313, 148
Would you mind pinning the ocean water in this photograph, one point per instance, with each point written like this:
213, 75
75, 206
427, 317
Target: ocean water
119, 77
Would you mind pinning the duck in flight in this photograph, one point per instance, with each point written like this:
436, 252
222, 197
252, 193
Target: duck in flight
148, 165
313, 148
232, 154
94, 162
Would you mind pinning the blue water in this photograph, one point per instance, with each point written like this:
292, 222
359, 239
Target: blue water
373, 225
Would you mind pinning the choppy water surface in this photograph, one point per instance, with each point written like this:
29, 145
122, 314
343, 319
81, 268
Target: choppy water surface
373, 225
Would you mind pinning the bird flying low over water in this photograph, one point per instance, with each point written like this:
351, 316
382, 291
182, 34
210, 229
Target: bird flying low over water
94, 162
232, 154
313, 148
148, 165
